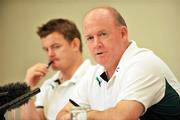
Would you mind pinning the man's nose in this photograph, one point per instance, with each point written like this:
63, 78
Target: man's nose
97, 42
51, 53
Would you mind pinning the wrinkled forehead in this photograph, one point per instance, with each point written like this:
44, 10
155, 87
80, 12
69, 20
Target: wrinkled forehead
97, 20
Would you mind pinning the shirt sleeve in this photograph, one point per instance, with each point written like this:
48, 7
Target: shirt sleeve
42, 96
143, 82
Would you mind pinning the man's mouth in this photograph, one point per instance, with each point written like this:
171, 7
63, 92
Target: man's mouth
99, 53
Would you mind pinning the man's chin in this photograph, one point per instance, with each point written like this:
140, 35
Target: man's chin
101, 62
54, 68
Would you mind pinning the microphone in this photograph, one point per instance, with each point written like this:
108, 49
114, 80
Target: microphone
14, 95
3, 94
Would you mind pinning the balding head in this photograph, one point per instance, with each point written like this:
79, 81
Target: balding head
106, 13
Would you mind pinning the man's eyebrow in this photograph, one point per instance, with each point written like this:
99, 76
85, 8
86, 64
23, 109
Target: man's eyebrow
54, 44
103, 30
50, 45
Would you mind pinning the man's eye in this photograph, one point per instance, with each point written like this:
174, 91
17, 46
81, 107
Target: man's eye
55, 47
89, 38
103, 34
45, 49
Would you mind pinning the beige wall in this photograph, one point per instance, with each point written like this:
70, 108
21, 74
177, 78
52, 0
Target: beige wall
154, 24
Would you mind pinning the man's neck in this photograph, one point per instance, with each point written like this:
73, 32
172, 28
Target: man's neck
69, 72
110, 70
110, 73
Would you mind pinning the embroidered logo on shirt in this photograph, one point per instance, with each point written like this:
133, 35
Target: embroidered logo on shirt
99, 81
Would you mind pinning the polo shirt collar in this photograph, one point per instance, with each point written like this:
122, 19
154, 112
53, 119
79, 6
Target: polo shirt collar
129, 52
79, 72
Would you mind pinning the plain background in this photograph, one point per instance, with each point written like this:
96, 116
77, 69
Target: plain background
153, 24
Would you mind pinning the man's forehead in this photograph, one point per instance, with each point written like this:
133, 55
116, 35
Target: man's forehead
97, 13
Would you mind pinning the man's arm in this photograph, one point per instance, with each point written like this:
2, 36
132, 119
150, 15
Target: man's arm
124, 110
33, 76
29, 111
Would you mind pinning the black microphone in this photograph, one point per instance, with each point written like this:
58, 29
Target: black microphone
14, 95
3, 94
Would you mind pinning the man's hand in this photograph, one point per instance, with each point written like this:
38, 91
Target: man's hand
64, 116
35, 74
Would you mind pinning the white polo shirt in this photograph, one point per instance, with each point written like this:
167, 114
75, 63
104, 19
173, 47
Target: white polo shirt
54, 95
140, 75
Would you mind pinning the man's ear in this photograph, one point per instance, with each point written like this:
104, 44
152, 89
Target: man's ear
124, 32
75, 44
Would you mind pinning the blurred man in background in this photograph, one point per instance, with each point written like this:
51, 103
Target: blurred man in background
62, 44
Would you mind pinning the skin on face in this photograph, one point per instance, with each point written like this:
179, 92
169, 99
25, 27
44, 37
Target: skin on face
58, 50
105, 39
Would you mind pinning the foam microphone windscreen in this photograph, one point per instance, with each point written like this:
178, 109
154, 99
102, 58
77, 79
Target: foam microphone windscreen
11, 91
14, 95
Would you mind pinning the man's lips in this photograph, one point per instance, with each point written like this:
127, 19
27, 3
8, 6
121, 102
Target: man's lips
53, 61
99, 53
